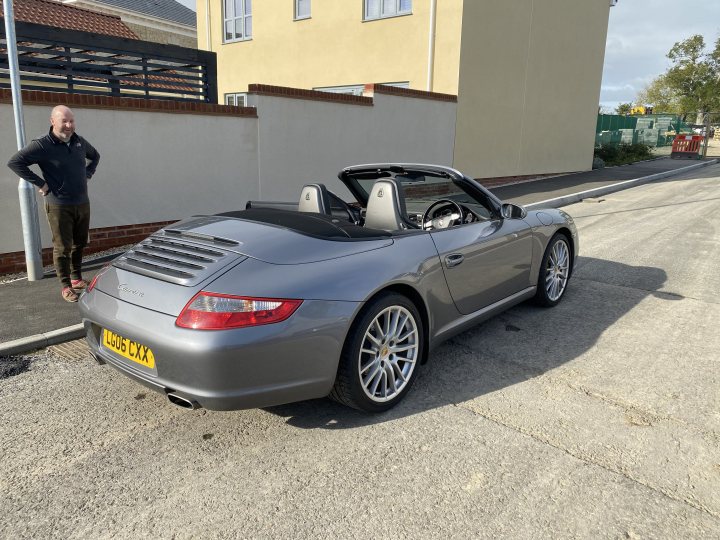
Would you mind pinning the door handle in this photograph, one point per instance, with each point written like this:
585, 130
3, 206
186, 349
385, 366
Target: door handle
453, 260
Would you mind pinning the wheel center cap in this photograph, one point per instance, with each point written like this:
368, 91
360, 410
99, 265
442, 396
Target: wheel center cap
384, 352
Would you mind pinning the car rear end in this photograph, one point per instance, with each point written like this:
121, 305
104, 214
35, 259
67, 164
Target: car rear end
154, 315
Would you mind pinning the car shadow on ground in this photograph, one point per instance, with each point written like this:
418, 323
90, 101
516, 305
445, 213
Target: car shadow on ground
518, 345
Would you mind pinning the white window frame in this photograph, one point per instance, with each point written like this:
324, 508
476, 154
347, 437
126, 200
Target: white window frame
298, 16
357, 89
354, 89
403, 84
385, 9
233, 18
238, 99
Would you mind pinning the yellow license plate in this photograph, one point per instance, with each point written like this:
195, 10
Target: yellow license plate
127, 348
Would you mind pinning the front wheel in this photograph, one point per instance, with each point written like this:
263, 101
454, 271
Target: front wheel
381, 355
554, 272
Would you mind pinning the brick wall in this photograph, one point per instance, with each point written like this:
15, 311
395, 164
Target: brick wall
100, 240
36, 97
308, 95
408, 92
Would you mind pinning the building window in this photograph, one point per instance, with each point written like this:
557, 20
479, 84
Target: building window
381, 9
237, 17
239, 99
357, 89
354, 89
302, 9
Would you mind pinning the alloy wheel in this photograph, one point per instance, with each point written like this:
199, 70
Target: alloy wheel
557, 270
388, 354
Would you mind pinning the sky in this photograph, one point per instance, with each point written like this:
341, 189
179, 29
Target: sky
188, 3
640, 34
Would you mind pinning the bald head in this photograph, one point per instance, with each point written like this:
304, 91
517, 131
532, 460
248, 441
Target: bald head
62, 121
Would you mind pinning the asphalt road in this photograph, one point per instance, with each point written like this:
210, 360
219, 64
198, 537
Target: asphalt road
596, 419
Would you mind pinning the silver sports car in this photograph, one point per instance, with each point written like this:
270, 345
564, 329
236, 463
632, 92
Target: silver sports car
286, 301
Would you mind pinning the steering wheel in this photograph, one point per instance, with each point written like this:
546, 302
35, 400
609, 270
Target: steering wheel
430, 221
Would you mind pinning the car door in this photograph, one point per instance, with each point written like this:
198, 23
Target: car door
485, 262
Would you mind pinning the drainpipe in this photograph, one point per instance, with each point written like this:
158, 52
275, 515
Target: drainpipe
431, 46
26, 190
207, 24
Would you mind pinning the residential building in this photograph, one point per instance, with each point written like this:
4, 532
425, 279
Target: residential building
160, 21
527, 73
54, 14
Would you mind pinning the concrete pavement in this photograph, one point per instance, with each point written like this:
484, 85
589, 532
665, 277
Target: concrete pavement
597, 419
35, 316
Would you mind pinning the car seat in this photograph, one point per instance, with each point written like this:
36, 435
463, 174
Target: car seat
386, 207
314, 198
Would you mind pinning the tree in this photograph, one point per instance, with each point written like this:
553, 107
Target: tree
691, 84
658, 94
624, 108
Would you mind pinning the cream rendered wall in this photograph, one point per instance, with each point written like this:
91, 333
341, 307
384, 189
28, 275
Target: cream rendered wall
153, 166
303, 141
530, 73
335, 47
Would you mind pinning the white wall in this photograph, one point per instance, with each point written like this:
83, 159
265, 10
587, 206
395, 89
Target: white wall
153, 167
303, 141
164, 166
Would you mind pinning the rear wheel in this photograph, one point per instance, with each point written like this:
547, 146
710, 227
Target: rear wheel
381, 355
554, 272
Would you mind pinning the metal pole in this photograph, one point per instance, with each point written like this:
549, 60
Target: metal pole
26, 190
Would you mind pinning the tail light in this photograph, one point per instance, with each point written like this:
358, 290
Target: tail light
213, 311
94, 280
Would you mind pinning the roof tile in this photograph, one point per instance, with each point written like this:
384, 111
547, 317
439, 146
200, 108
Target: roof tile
55, 14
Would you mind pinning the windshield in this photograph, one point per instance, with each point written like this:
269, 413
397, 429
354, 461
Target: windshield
421, 191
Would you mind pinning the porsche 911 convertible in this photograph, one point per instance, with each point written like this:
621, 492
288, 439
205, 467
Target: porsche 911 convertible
287, 301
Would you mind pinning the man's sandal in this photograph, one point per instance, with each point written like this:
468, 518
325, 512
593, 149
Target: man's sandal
69, 295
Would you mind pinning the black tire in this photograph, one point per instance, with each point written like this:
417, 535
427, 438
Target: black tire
394, 371
549, 269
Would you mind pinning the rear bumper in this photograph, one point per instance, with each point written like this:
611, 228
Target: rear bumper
228, 369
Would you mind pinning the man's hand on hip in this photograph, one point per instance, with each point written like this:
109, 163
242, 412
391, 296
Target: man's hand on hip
44, 189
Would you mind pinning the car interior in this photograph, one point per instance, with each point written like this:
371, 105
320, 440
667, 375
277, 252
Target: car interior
321, 213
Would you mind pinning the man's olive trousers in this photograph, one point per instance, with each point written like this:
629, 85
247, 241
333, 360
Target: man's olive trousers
69, 225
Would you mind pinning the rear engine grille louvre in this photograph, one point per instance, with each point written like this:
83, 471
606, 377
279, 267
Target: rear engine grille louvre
180, 246
167, 258
143, 256
170, 272
176, 260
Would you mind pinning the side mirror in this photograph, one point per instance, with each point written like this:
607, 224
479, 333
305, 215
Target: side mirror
513, 211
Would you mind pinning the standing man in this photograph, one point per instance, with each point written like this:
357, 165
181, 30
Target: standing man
62, 156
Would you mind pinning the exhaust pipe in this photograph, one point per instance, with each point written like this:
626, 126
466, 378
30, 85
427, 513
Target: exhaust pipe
183, 402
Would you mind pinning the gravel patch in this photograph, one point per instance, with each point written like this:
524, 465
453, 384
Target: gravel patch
13, 365
10, 366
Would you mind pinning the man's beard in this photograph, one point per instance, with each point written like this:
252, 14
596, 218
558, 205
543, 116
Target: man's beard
64, 137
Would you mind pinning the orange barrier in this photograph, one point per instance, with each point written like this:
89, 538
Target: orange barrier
686, 147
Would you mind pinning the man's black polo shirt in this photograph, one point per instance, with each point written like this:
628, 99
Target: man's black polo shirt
64, 167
